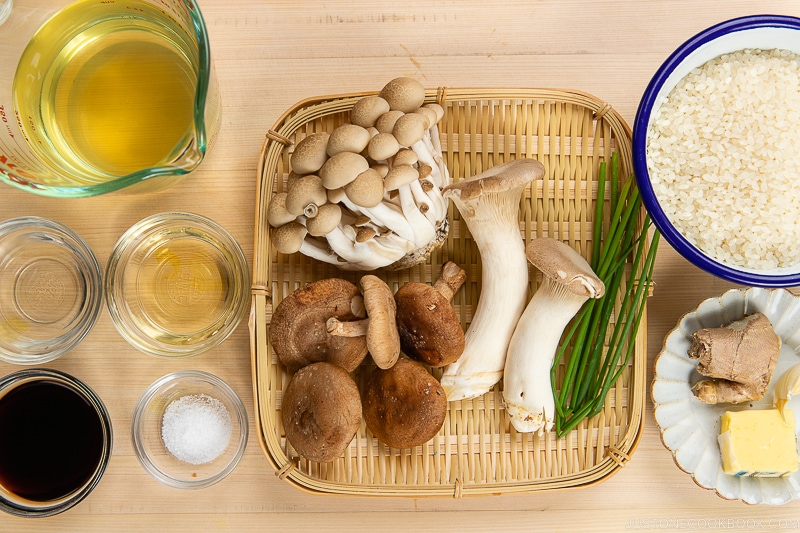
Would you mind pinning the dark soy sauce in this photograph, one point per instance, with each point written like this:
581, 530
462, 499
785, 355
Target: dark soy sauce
51, 441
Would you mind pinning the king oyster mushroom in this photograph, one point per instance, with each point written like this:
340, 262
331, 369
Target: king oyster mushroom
384, 166
568, 281
489, 204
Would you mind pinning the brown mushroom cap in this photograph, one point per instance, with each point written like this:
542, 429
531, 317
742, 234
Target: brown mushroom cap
348, 138
404, 406
298, 331
429, 329
367, 110
386, 122
310, 153
406, 156
382, 146
341, 169
410, 128
438, 109
367, 189
306, 191
288, 238
400, 175
321, 411
404, 94
277, 215
327, 218
561, 263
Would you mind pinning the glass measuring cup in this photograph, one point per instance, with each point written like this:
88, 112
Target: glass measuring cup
98, 95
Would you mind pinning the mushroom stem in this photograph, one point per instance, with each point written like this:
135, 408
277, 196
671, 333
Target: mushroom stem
450, 280
489, 204
357, 328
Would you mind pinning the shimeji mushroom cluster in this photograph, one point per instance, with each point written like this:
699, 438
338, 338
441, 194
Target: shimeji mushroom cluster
368, 194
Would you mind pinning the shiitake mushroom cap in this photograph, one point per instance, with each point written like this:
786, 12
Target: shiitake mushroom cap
404, 406
321, 411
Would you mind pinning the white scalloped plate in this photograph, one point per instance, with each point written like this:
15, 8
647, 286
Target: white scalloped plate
689, 428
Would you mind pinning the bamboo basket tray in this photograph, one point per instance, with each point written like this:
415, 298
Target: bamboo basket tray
476, 452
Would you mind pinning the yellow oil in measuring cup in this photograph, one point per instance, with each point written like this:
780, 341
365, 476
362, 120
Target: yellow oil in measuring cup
107, 88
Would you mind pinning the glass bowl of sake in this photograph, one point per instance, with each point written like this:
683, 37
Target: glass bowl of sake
176, 284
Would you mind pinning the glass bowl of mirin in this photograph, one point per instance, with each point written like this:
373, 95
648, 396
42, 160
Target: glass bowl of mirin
50, 290
192, 400
176, 284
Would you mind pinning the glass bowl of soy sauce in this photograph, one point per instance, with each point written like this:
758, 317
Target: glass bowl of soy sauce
55, 445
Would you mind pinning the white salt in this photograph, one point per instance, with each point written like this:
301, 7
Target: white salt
196, 429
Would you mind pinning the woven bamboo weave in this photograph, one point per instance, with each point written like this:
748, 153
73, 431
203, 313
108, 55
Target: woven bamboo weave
477, 452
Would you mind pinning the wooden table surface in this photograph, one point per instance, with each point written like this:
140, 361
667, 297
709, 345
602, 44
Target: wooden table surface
271, 54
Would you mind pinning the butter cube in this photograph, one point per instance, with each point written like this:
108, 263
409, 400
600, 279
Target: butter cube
758, 443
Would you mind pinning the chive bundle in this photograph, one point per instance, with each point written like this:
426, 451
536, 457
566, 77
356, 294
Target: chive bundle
592, 369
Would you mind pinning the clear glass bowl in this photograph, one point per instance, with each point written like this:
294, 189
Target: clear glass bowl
51, 290
176, 284
146, 430
60, 447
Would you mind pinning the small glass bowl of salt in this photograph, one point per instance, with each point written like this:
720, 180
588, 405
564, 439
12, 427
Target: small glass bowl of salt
189, 429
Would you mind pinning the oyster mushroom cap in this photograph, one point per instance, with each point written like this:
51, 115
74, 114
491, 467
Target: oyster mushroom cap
404, 406
564, 265
310, 153
298, 331
404, 94
321, 411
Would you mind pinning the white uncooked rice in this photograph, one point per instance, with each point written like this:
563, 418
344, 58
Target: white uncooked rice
723, 155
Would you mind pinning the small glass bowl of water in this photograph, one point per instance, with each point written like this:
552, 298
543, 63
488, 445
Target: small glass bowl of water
50, 290
176, 284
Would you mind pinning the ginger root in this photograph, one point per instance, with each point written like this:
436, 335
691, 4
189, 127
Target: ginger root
740, 358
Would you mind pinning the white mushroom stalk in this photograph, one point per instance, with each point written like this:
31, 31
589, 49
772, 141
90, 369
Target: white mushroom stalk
489, 204
385, 166
568, 281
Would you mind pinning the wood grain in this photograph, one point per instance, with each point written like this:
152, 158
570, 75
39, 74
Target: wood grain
271, 54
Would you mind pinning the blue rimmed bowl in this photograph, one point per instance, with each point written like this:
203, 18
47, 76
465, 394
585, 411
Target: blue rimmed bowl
763, 32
